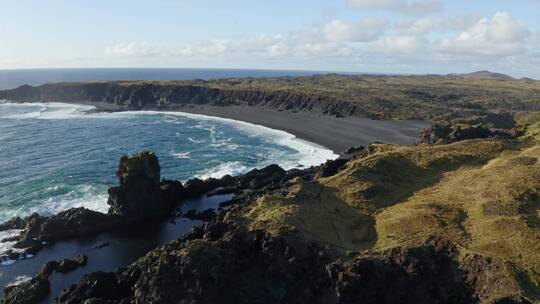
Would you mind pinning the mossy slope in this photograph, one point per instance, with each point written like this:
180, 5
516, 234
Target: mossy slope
479, 194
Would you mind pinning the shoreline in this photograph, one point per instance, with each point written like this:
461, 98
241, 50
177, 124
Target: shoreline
335, 133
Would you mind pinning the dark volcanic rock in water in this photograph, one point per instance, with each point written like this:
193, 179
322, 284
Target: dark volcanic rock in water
204, 216
138, 195
72, 223
28, 292
141, 195
67, 265
172, 191
34, 290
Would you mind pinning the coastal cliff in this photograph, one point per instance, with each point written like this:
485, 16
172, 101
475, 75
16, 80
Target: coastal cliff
138, 96
432, 98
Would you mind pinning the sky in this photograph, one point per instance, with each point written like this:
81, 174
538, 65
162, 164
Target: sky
374, 36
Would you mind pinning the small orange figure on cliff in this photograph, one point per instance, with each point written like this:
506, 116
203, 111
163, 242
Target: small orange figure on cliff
426, 136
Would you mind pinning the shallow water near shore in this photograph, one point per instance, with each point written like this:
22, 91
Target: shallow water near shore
107, 251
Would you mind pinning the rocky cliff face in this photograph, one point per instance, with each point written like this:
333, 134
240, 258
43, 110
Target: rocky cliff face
137, 96
138, 193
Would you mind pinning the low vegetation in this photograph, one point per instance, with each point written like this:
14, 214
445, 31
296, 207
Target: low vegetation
434, 98
481, 194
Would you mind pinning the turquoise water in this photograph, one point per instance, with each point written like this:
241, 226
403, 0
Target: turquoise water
55, 156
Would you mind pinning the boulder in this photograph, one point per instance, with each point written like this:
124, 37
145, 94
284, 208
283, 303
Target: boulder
353, 150
172, 191
205, 216
14, 223
67, 265
72, 223
138, 195
96, 285
331, 167
259, 178
29, 292
37, 288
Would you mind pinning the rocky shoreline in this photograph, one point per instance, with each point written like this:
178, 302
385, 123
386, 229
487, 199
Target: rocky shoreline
142, 197
223, 261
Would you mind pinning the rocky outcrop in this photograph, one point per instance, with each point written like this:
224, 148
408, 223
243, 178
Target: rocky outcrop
204, 216
331, 167
437, 272
34, 290
72, 223
223, 263
67, 265
444, 133
138, 195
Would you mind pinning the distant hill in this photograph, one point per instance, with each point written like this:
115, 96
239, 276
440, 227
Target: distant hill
484, 75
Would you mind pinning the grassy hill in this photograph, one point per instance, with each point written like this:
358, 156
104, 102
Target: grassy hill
480, 194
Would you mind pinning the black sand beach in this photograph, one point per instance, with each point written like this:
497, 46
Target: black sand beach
335, 133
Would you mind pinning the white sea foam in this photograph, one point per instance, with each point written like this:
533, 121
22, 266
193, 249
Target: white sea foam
310, 154
231, 168
7, 262
195, 141
48, 110
6, 246
86, 196
19, 280
181, 155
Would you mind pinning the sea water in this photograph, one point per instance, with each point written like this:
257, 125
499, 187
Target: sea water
55, 156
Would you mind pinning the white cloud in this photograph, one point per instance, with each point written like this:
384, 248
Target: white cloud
144, 50
434, 24
213, 47
132, 49
362, 31
500, 36
425, 44
415, 8
405, 44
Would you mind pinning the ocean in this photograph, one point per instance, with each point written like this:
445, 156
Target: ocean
55, 156
13, 78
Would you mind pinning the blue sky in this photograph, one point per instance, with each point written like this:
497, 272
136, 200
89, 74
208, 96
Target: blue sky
383, 36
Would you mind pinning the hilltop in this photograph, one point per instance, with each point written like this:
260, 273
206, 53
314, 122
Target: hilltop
484, 75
